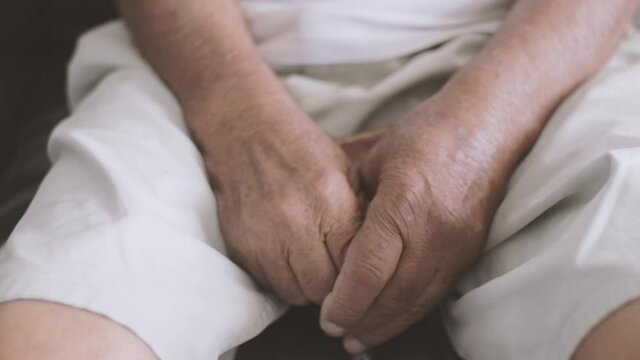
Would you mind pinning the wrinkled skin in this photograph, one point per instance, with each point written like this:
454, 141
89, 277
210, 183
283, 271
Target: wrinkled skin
434, 191
290, 207
288, 203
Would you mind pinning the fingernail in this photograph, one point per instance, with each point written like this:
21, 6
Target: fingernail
331, 329
353, 345
328, 327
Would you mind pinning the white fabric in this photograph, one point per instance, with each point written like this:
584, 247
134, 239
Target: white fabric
352, 31
564, 249
125, 223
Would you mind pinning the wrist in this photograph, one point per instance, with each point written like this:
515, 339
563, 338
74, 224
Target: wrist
226, 114
497, 90
233, 138
232, 87
476, 138
489, 111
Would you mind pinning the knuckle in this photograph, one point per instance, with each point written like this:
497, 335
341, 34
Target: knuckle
388, 224
406, 212
319, 281
331, 187
412, 204
289, 211
292, 297
327, 277
287, 201
316, 293
410, 187
326, 178
345, 225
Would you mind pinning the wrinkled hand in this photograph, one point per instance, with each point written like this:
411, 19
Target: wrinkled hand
434, 190
358, 146
287, 201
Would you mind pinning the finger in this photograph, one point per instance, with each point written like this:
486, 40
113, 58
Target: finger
414, 290
428, 269
313, 269
358, 343
370, 262
356, 147
342, 226
366, 136
353, 179
370, 167
276, 274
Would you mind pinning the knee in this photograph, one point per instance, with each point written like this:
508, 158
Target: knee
614, 338
34, 330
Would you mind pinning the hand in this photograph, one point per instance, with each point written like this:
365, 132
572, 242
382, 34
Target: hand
435, 181
357, 147
287, 200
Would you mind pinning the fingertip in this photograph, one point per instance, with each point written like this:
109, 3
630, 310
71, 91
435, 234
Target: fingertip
328, 326
353, 346
332, 329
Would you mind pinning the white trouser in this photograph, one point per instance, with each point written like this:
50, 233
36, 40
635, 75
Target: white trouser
125, 223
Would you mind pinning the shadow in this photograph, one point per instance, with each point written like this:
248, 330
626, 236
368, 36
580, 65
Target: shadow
297, 336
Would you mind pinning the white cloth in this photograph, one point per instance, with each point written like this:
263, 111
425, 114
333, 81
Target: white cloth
352, 31
125, 223
564, 249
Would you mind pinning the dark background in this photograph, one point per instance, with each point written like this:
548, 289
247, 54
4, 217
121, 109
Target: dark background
36, 41
37, 38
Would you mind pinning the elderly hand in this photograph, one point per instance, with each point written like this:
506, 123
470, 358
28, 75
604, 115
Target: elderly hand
287, 200
434, 191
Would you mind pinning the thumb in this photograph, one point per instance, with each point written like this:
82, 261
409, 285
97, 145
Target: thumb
370, 262
358, 146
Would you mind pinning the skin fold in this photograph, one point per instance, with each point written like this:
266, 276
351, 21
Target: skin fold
297, 221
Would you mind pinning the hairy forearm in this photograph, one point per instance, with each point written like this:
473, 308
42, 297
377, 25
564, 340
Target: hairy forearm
543, 51
203, 51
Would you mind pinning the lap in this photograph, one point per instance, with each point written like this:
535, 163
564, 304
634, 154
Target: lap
563, 251
125, 225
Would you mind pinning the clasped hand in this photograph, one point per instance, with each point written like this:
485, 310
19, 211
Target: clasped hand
376, 229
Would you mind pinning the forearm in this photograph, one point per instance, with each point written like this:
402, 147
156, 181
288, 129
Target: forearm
203, 51
544, 50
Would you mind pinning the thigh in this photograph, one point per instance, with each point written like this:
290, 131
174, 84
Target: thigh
33, 330
564, 250
615, 337
124, 225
